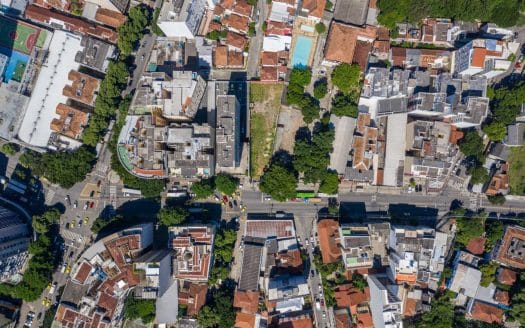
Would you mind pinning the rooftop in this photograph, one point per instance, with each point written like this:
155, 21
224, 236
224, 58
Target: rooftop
328, 234
246, 301
485, 312
511, 251
71, 121
83, 87
270, 228
193, 251
351, 11
227, 131
348, 35
110, 17
94, 53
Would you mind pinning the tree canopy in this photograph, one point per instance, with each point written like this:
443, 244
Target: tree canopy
226, 183
172, 216
441, 314
131, 31
203, 188
330, 183
320, 88
320, 27
10, 148
279, 182
139, 308
311, 157
505, 13
300, 76
346, 77
496, 131
470, 226
344, 105
219, 312
517, 311
42, 223
472, 145
64, 168
488, 273
479, 174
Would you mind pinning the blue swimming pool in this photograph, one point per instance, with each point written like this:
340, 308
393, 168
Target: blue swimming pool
301, 52
14, 58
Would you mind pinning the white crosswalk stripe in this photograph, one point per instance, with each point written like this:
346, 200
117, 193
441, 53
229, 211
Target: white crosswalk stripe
68, 234
50, 195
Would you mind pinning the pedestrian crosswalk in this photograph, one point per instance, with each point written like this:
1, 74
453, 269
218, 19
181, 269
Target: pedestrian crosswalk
70, 235
50, 194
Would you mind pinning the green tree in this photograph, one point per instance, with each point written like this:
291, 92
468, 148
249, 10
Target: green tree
472, 145
64, 168
494, 232
300, 76
154, 26
312, 157
139, 309
172, 216
132, 30
517, 311
217, 35
226, 184
219, 312
344, 105
495, 131
203, 188
310, 110
498, 199
441, 314
359, 282
320, 28
346, 77
488, 273
470, 227
251, 29
10, 148
320, 88
42, 223
330, 183
479, 175
279, 182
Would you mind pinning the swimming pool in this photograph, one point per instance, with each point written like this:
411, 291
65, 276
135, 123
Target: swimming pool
301, 52
14, 58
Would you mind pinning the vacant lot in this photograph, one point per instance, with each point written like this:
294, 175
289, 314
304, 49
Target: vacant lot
517, 170
265, 103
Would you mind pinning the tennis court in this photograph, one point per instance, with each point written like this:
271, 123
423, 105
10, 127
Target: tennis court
17, 35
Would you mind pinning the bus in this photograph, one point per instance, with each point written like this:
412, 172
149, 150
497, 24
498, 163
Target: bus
305, 194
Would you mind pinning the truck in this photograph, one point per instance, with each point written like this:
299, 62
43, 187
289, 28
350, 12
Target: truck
177, 194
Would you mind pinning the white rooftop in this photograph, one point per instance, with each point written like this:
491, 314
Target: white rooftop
276, 43
47, 92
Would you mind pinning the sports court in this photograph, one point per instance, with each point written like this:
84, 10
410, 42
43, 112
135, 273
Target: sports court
17, 35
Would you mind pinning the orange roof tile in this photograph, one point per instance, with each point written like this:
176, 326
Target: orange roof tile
342, 320
476, 245
328, 234
110, 17
244, 320
410, 307
315, 7
71, 122
82, 87
247, 301
364, 320
486, 312
269, 73
507, 276
236, 40
345, 34
242, 8
478, 57
405, 277
502, 297
83, 272
220, 56
240, 23
269, 58
511, 252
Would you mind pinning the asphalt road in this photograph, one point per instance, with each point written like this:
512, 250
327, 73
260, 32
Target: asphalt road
254, 51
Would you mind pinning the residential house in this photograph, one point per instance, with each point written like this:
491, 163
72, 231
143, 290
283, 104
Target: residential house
484, 56
510, 251
193, 247
329, 240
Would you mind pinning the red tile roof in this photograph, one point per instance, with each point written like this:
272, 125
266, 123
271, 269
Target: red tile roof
315, 7
512, 251
342, 320
303, 321
364, 320
502, 297
110, 17
236, 40
237, 22
348, 35
507, 276
247, 301
269, 74
47, 16
194, 296
486, 312
83, 272
328, 234
477, 245
242, 8
244, 320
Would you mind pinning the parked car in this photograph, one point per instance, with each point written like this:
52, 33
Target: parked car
86, 205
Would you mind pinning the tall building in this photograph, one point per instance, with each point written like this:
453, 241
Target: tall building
182, 18
14, 241
228, 132
385, 305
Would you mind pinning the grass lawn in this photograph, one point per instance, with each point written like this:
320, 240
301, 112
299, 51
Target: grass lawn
266, 100
517, 171
19, 71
